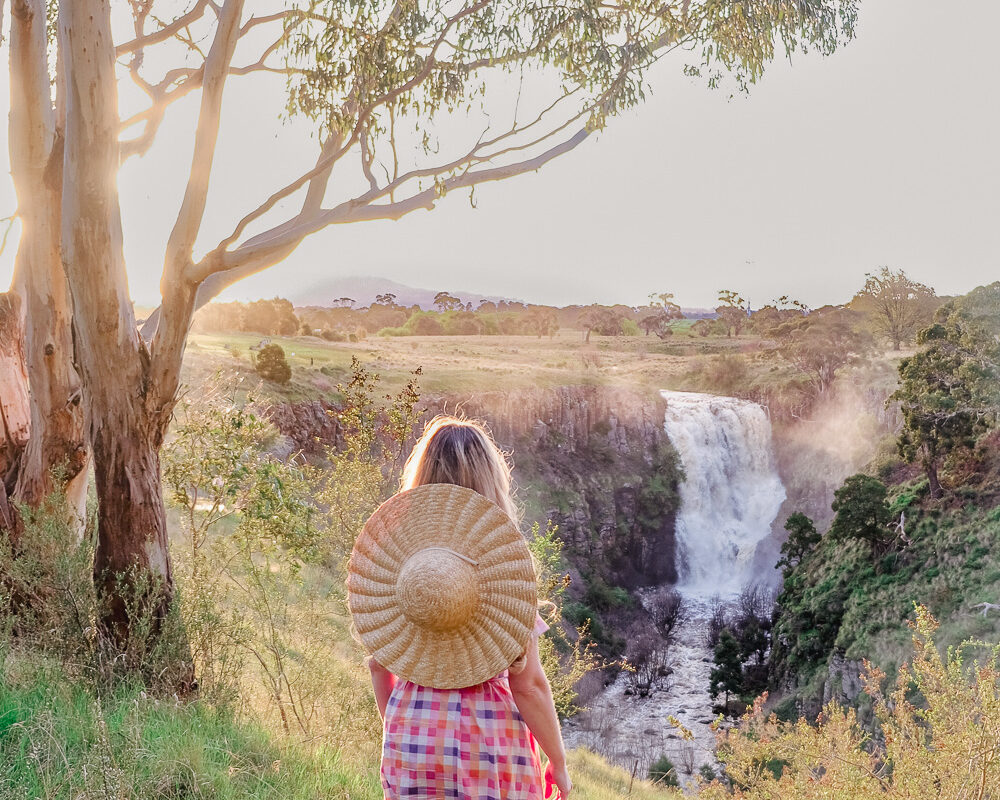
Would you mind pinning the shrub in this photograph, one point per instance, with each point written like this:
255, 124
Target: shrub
49, 599
663, 772
630, 327
646, 664
669, 611
938, 733
271, 364
424, 323
601, 596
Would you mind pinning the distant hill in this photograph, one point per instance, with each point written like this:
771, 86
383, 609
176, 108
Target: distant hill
364, 289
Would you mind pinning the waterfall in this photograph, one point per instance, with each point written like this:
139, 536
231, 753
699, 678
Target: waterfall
731, 492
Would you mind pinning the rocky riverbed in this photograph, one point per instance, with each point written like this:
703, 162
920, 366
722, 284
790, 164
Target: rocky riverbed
634, 731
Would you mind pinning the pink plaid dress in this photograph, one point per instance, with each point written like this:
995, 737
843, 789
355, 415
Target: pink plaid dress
467, 744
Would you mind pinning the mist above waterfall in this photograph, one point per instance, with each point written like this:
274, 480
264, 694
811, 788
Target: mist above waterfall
731, 492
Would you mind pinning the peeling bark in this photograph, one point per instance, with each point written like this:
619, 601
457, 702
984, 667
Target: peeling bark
15, 416
132, 550
57, 435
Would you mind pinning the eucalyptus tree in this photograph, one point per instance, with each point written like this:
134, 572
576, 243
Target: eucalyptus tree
375, 80
662, 311
898, 305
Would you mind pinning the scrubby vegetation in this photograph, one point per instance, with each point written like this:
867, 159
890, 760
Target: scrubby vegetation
905, 537
937, 734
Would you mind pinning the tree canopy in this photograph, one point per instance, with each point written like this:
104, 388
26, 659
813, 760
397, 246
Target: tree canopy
897, 304
948, 390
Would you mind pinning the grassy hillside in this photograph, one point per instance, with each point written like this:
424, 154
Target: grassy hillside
855, 606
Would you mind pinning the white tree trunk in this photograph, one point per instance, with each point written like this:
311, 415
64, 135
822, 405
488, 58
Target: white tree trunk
125, 433
57, 434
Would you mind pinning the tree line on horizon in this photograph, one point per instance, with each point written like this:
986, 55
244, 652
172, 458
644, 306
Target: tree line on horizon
890, 306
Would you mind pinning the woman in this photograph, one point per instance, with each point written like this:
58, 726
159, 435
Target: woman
442, 592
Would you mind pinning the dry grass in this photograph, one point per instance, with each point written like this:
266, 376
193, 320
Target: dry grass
464, 363
596, 779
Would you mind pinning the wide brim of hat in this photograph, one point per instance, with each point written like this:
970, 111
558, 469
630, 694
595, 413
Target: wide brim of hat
461, 520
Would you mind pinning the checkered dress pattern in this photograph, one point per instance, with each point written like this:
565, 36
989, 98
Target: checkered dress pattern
466, 744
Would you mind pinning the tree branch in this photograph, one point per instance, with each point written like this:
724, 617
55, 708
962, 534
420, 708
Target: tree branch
178, 293
268, 248
216, 68
185, 80
164, 33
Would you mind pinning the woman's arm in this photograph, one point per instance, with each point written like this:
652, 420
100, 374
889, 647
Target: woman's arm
382, 683
533, 697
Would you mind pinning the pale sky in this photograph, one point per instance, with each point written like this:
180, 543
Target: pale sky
886, 153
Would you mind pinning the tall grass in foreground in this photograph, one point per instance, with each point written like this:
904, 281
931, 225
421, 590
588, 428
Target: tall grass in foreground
59, 740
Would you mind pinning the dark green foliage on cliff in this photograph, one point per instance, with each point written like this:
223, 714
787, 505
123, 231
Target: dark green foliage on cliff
823, 576
802, 540
602, 597
948, 390
862, 513
839, 599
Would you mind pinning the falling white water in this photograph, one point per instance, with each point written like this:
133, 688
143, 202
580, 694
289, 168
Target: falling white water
731, 492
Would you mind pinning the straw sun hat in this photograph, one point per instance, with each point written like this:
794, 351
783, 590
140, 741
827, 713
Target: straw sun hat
441, 587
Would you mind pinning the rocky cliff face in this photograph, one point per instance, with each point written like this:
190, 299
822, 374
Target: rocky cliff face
843, 682
309, 427
593, 460
597, 462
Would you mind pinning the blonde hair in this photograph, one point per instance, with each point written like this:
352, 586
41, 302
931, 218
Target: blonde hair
462, 452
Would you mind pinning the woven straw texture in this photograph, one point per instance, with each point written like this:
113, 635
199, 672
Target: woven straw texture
441, 587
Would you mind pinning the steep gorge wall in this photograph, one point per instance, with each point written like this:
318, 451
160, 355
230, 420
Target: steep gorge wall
597, 462
593, 460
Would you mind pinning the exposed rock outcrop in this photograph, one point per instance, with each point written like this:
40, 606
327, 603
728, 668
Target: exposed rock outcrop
310, 426
843, 682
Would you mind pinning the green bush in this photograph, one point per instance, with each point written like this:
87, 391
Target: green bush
663, 772
424, 323
601, 596
272, 366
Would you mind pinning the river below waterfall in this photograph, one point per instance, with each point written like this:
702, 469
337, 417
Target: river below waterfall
729, 498
634, 731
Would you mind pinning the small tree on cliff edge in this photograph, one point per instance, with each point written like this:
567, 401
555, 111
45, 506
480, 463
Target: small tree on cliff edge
374, 79
948, 390
802, 540
862, 512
